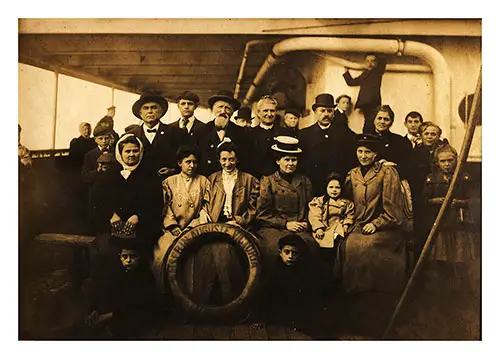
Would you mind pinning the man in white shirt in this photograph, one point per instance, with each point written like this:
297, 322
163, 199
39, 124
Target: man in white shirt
158, 140
413, 121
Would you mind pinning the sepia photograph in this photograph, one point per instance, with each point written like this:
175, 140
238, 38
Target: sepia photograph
249, 179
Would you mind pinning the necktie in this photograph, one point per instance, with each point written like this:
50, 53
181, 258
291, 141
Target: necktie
184, 123
150, 131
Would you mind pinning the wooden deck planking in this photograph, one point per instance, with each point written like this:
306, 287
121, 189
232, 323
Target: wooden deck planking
221, 332
240, 332
203, 332
178, 332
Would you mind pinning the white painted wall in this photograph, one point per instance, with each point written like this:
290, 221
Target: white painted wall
406, 92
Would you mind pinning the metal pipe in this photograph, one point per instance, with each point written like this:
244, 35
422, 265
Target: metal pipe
441, 79
54, 129
248, 45
464, 152
390, 67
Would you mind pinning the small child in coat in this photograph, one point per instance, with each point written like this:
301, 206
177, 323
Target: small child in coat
331, 212
331, 218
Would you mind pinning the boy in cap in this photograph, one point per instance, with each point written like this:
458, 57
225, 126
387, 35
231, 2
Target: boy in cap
127, 295
103, 138
291, 287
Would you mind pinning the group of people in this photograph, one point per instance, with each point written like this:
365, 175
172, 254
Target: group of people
322, 201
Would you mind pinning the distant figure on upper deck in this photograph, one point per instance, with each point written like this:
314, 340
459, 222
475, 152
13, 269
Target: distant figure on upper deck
369, 93
79, 146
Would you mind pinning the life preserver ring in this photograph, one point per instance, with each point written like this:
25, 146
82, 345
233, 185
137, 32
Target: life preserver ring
194, 238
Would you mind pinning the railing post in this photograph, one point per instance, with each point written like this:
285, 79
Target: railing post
54, 124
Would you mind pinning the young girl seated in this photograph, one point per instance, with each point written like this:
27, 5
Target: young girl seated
187, 195
331, 215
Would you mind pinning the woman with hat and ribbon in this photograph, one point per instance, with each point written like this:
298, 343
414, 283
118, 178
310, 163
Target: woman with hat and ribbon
283, 202
374, 250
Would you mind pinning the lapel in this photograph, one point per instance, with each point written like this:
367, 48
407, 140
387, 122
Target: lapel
238, 186
296, 181
162, 130
370, 175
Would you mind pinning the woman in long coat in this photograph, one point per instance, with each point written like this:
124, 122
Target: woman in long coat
282, 206
130, 197
374, 249
374, 268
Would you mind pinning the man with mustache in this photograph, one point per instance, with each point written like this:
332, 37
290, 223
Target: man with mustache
262, 137
327, 147
220, 129
158, 140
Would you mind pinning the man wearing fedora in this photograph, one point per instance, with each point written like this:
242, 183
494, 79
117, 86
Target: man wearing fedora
327, 148
244, 117
263, 135
188, 129
158, 140
221, 129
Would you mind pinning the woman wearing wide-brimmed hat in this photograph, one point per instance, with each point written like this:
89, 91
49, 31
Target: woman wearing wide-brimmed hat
283, 202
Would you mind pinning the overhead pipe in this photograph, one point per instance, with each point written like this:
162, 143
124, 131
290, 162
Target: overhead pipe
248, 45
441, 78
389, 68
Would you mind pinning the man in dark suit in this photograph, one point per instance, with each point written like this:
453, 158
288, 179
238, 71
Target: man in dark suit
103, 138
341, 110
158, 140
413, 121
79, 147
262, 137
220, 129
326, 148
395, 149
188, 129
369, 92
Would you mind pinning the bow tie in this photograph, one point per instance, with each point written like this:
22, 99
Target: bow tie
220, 128
150, 131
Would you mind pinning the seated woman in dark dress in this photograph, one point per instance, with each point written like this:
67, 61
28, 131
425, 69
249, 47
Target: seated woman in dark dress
130, 195
282, 206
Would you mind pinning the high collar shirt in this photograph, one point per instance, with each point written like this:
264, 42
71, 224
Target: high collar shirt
151, 135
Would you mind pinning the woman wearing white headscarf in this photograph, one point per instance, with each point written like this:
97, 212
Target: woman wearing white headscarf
133, 196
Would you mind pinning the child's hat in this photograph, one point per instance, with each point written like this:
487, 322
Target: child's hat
291, 239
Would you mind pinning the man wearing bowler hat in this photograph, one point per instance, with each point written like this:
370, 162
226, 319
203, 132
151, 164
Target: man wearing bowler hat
219, 129
244, 117
157, 138
188, 129
327, 148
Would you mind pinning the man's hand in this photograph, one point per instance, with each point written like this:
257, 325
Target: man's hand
389, 163
369, 228
319, 234
294, 226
